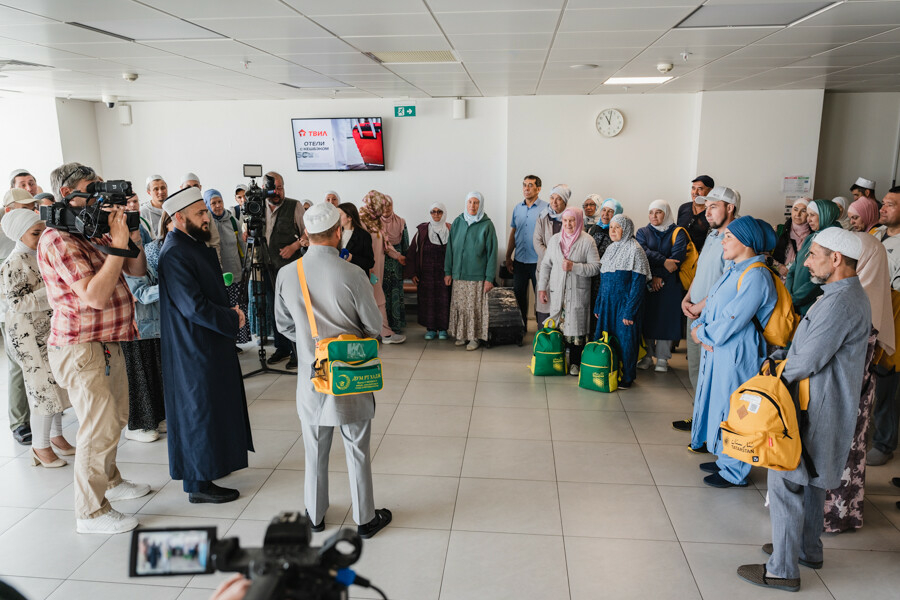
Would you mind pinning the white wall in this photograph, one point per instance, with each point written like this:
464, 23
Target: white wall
78, 133
859, 136
749, 141
30, 138
429, 157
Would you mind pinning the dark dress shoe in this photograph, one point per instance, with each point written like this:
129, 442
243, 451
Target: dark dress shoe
382, 517
769, 549
316, 528
895, 482
625, 385
683, 425
756, 574
213, 494
717, 481
701, 450
278, 357
22, 434
710, 467
291, 364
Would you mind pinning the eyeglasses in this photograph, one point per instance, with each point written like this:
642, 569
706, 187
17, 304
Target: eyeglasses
437, 212
82, 173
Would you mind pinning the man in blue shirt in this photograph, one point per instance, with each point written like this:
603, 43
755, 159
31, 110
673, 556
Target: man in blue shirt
521, 235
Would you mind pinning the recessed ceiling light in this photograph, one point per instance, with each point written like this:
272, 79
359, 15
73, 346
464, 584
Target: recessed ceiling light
635, 80
583, 66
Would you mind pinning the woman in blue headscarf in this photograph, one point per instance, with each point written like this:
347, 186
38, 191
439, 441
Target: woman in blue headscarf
232, 249
732, 349
600, 232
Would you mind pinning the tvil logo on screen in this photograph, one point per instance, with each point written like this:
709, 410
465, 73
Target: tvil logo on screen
304, 133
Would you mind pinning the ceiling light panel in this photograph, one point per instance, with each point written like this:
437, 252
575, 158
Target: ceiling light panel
751, 14
533, 21
636, 80
623, 19
261, 27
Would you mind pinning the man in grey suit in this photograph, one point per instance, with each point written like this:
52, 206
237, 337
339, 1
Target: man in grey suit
343, 302
829, 348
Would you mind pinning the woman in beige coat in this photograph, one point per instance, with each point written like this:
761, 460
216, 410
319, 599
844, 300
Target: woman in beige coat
548, 225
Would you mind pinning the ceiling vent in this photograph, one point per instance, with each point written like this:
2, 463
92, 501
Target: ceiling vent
20, 65
413, 56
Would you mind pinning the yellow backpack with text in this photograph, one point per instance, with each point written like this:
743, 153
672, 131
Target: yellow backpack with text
779, 330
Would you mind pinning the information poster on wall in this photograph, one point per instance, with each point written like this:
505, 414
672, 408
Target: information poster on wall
794, 187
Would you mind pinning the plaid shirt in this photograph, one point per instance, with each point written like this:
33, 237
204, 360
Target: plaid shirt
65, 258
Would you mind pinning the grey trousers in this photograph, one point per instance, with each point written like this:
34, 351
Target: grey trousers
885, 414
661, 349
797, 513
317, 444
19, 413
693, 354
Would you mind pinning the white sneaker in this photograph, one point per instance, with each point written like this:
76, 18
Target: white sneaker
645, 363
662, 365
459, 342
473, 345
162, 426
573, 370
127, 491
111, 522
397, 338
142, 435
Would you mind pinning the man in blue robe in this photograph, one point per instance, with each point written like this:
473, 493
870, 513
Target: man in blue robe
206, 408
732, 348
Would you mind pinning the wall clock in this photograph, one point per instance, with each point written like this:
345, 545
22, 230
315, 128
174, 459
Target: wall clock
610, 122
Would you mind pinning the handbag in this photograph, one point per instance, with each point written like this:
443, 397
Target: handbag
343, 365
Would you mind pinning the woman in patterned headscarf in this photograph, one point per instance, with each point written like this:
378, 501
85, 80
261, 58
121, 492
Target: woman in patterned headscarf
371, 215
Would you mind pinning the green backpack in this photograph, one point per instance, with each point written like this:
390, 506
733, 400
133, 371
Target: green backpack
599, 366
548, 351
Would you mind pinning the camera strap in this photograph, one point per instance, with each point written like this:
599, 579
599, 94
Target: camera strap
132, 252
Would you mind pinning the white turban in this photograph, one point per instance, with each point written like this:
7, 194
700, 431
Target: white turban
17, 222
182, 199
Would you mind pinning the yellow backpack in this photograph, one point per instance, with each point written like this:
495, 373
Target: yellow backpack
779, 331
763, 426
688, 267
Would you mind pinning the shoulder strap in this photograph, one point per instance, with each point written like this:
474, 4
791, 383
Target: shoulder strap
146, 223
306, 301
753, 265
234, 224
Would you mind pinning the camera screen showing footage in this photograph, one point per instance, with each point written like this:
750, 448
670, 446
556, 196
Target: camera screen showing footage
339, 144
171, 552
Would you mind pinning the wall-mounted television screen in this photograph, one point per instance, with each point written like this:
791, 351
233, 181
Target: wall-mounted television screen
339, 144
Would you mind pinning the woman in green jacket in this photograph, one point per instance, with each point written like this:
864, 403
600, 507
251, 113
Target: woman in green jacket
469, 266
821, 214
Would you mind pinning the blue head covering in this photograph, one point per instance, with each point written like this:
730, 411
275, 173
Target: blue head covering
613, 204
208, 195
472, 219
753, 233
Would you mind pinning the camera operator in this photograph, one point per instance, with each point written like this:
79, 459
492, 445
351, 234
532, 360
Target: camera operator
92, 312
344, 304
284, 233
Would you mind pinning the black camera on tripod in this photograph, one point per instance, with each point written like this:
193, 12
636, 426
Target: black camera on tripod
254, 208
285, 567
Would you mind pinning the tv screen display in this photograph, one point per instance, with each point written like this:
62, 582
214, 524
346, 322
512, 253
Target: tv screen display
339, 144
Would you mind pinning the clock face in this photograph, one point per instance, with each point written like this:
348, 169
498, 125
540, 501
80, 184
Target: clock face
610, 122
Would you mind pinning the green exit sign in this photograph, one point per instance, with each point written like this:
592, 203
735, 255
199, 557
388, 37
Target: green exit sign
404, 111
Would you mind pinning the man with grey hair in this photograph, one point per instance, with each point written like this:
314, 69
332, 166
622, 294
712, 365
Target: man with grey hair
93, 311
829, 348
151, 213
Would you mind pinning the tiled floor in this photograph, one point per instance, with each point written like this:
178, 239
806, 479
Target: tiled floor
502, 485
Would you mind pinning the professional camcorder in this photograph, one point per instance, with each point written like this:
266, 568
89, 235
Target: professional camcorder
92, 220
255, 200
285, 567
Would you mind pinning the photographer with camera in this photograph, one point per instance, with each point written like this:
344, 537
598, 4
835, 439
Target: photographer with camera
284, 235
342, 303
92, 312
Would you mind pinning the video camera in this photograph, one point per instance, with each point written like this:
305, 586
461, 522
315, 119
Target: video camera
91, 220
285, 567
255, 200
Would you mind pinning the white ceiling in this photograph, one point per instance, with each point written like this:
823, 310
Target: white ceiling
246, 49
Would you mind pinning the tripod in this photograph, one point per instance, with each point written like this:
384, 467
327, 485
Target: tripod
256, 266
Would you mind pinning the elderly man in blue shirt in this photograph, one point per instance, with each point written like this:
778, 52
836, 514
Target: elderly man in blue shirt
524, 266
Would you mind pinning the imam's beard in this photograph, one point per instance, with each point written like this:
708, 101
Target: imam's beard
198, 233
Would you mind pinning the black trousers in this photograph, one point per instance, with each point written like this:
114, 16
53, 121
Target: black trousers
522, 274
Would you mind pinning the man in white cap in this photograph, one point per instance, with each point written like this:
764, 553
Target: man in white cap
722, 206
22, 179
863, 187
240, 192
190, 180
886, 412
342, 303
829, 348
19, 415
93, 311
151, 213
206, 409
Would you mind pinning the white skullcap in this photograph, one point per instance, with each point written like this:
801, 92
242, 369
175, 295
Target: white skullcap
153, 178
17, 222
240, 186
189, 177
321, 217
182, 199
17, 195
865, 183
840, 240
724, 194
17, 172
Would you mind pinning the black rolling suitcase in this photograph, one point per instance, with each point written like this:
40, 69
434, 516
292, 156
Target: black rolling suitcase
505, 324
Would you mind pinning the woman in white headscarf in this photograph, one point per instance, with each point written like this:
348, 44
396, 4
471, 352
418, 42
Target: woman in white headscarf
844, 205
24, 298
548, 225
332, 198
589, 209
425, 266
665, 251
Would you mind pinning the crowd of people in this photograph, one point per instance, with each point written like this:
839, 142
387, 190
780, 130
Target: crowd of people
147, 340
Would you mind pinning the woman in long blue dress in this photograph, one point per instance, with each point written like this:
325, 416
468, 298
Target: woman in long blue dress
662, 312
732, 350
624, 276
